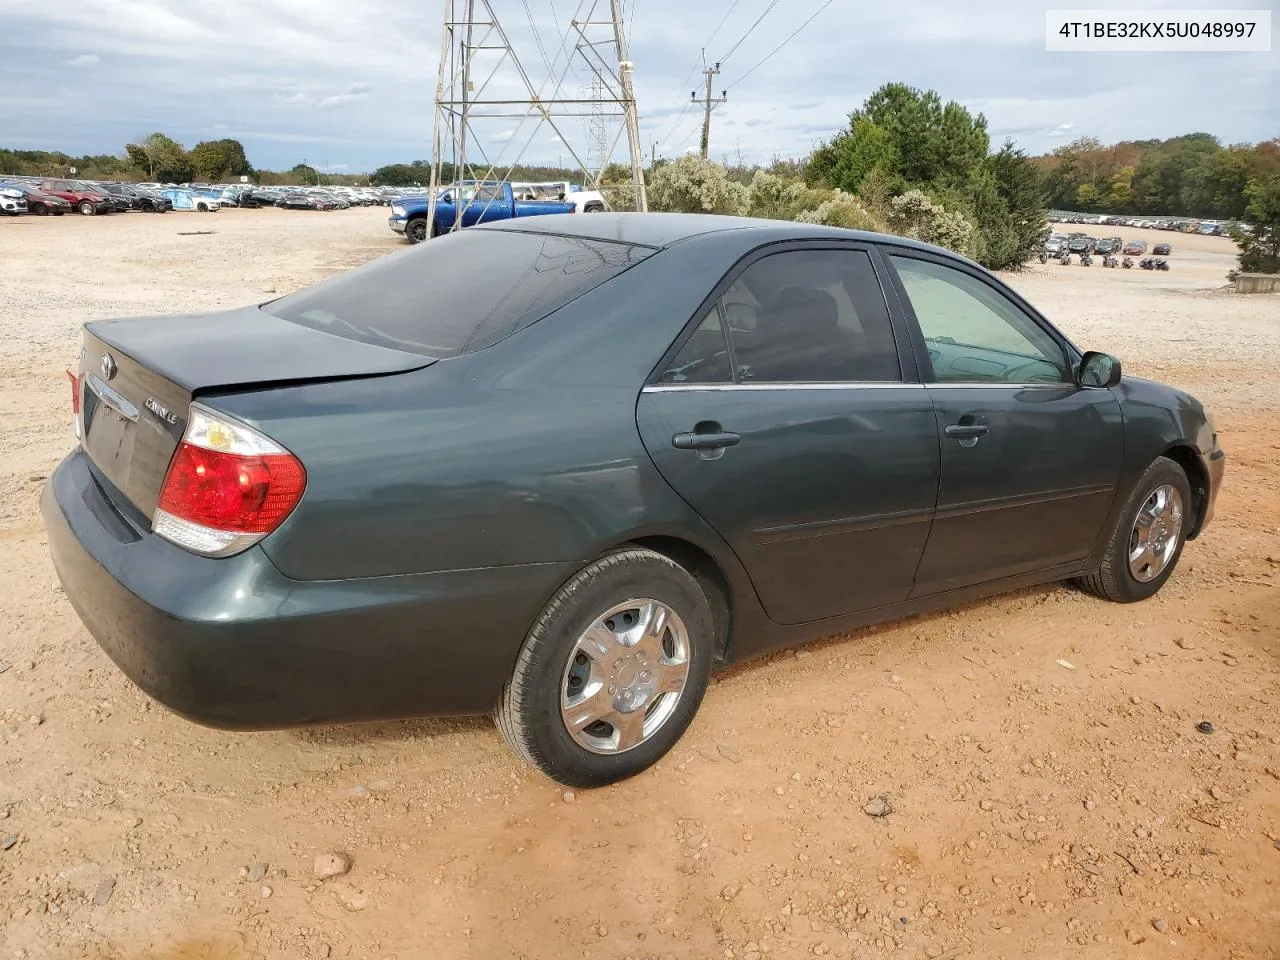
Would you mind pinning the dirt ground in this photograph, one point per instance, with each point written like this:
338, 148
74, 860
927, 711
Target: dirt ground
1038, 810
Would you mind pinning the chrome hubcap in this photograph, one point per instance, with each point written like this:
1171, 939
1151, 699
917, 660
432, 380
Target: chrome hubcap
1157, 531
625, 676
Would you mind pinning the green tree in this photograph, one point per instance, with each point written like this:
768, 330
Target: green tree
1024, 221
219, 160
1086, 196
406, 174
932, 142
1260, 248
306, 173
161, 158
851, 155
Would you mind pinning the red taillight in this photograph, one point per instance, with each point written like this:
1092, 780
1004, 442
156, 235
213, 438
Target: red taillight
227, 487
75, 392
231, 492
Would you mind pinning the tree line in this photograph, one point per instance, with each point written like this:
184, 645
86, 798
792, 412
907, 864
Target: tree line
1193, 175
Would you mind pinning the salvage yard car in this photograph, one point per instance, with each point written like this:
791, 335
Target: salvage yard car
615, 452
82, 197
41, 204
189, 200
13, 202
485, 201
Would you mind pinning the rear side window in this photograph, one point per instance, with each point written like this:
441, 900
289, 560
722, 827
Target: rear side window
458, 293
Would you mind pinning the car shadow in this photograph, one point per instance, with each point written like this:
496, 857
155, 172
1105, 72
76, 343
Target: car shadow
430, 729
386, 731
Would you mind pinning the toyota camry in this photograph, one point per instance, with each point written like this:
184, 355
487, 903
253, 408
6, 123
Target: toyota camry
559, 470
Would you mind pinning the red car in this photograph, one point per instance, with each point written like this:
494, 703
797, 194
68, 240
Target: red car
85, 199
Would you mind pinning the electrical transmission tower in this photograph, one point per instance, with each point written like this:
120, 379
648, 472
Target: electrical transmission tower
481, 78
599, 139
708, 102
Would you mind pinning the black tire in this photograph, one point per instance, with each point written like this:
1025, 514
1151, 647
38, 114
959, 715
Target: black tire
87, 208
40, 210
1114, 580
529, 712
593, 208
415, 231
58, 213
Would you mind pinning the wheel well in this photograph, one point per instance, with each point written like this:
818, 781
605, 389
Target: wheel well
593, 208
1197, 476
710, 577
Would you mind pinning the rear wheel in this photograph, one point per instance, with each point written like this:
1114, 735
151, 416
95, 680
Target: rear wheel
1147, 539
612, 672
40, 210
593, 208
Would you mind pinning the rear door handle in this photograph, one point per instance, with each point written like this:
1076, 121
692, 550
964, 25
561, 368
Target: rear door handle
966, 431
705, 441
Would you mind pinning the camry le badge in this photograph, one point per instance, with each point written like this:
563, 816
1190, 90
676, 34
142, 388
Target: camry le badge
161, 411
108, 366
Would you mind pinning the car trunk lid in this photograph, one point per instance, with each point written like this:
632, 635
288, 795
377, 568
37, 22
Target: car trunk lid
138, 378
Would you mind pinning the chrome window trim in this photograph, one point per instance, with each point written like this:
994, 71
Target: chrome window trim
716, 387
851, 385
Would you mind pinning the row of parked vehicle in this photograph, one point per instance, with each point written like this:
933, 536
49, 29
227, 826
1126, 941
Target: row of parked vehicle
55, 196
1211, 228
1083, 244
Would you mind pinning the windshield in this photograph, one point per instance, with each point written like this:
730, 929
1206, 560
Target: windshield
458, 293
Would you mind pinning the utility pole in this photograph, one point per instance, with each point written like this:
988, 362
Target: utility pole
708, 102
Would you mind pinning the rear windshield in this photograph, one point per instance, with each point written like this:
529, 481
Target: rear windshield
458, 293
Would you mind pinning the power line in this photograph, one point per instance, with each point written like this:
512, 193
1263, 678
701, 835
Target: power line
537, 37
684, 85
750, 30
769, 56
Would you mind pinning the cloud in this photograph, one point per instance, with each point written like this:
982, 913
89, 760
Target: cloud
355, 81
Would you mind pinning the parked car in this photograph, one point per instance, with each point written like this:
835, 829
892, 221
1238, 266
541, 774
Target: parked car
1135, 248
559, 468
13, 203
118, 204
1080, 243
87, 200
138, 198
1162, 249
1056, 243
41, 204
1108, 245
257, 198
302, 200
486, 201
189, 200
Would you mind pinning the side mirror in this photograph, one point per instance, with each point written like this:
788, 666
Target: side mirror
1099, 370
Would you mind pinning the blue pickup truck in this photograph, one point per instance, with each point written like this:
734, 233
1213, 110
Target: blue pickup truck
482, 201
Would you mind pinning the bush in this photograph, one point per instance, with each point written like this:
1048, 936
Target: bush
914, 215
694, 185
843, 210
1260, 249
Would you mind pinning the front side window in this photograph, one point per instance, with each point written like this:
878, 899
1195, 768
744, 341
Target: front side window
975, 334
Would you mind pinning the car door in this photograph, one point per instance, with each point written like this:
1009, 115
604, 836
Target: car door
1030, 459
789, 419
489, 203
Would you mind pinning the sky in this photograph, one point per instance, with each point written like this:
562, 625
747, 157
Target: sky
349, 85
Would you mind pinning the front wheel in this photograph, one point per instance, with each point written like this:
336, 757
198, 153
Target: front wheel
416, 231
612, 671
87, 208
1144, 545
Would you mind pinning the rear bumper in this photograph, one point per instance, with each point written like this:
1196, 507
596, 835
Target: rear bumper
233, 643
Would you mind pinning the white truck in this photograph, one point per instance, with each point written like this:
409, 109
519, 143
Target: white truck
583, 200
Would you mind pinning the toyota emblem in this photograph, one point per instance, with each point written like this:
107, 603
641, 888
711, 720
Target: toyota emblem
108, 367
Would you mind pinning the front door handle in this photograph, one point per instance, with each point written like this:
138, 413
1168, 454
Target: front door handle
967, 431
716, 440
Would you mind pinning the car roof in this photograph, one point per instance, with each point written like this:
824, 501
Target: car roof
659, 230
